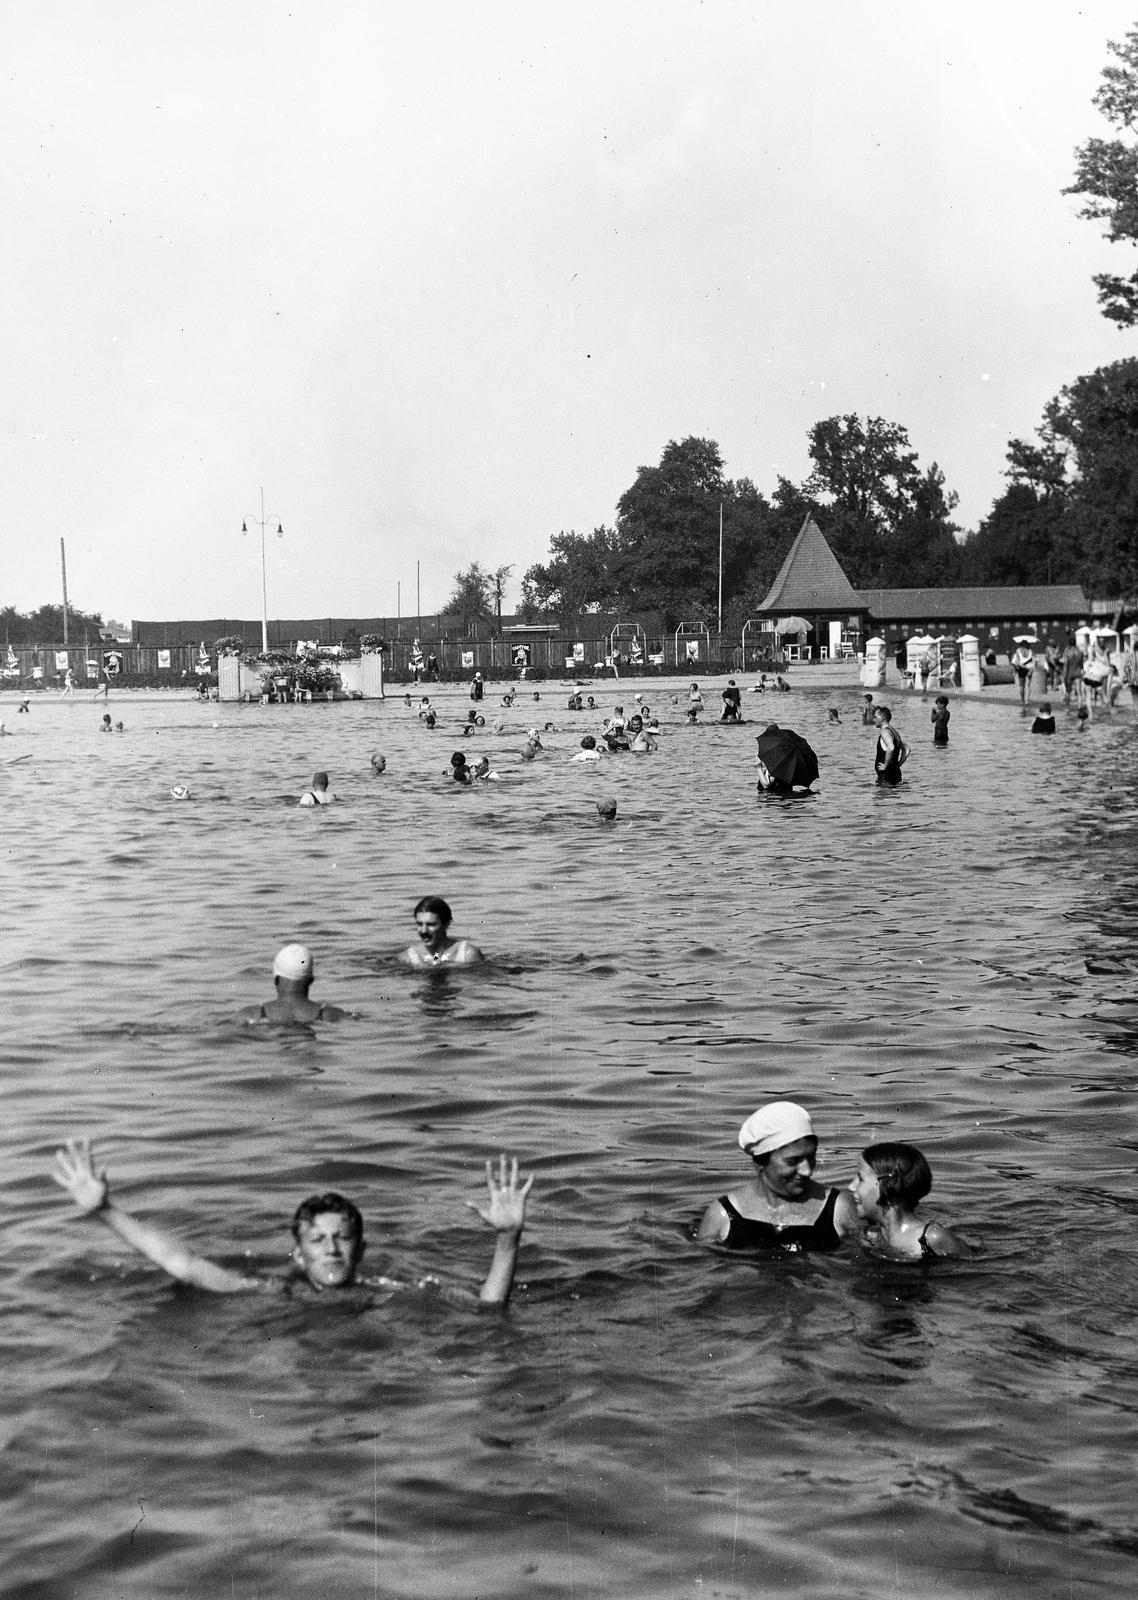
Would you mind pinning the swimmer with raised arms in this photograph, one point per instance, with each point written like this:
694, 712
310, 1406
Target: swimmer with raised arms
327, 1231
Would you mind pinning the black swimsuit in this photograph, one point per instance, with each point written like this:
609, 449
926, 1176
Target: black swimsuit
748, 1233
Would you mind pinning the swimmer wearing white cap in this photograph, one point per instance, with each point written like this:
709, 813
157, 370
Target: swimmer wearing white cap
293, 972
781, 1206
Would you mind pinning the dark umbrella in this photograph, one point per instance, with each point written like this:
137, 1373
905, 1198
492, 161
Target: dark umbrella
787, 756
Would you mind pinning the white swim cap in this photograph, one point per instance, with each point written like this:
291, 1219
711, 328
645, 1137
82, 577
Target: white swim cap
293, 962
179, 792
772, 1126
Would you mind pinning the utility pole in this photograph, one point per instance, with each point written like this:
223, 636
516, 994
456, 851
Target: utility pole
721, 573
260, 522
63, 564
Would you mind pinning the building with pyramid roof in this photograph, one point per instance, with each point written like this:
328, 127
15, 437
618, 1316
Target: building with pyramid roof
812, 590
813, 607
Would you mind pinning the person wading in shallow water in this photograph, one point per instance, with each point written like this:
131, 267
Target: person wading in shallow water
892, 751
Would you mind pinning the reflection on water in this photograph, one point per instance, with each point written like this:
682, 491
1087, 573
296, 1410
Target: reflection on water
951, 963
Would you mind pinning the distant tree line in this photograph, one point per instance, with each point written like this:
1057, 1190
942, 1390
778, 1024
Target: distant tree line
45, 624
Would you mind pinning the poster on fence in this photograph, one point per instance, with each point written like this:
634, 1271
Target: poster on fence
164, 660
691, 650
92, 667
112, 662
467, 659
61, 661
579, 651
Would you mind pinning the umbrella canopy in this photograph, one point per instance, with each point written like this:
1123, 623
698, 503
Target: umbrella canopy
1024, 638
787, 756
793, 625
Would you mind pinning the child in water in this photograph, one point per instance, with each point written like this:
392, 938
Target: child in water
891, 1181
939, 719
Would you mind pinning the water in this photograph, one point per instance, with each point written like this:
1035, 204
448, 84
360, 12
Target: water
951, 963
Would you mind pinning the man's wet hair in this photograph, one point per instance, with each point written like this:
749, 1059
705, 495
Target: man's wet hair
434, 906
318, 1204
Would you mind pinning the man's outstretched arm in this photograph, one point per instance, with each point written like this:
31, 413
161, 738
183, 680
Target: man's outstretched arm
75, 1171
505, 1211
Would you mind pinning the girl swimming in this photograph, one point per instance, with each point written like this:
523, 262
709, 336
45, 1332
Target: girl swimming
890, 1182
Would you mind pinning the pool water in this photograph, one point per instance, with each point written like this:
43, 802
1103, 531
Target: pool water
951, 963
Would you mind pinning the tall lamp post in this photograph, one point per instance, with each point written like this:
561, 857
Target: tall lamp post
260, 522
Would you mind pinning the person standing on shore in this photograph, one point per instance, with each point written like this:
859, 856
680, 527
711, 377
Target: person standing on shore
1073, 659
1022, 663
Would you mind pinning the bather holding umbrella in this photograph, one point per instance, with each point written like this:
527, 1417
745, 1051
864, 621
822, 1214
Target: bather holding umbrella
787, 758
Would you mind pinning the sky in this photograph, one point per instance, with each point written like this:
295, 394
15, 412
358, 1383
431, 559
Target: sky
439, 279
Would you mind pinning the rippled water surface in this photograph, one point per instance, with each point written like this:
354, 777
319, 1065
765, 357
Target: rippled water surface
952, 963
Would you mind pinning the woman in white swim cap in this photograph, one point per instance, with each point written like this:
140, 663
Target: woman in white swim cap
780, 1206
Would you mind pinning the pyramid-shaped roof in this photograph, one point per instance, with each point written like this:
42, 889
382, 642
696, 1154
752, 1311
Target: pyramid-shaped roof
810, 579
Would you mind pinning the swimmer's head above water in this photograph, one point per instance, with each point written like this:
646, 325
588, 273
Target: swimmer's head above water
328, 1235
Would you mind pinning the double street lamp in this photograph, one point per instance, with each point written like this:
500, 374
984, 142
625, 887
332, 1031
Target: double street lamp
261, 522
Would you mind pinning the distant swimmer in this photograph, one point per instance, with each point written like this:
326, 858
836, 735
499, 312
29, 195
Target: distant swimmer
327, 1232
433, 918
588, 750
1044, 719
606, 809
891, 1180
179, 792
832, 716
481, 771
867, 711
378, 764
458, 769
293, 974
319, 794
105, 725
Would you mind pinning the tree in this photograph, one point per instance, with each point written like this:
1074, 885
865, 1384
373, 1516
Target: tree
1014, 544
45, 624
667, 556
922, 550
1107, 173
576, 579
476, 593
870, 474
1095, 421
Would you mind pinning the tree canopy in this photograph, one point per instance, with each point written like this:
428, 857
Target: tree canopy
1106, 173
476, 592
45, 624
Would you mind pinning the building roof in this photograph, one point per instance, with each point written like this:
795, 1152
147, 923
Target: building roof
923, 605
810, 579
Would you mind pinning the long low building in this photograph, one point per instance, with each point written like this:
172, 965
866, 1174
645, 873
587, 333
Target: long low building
812, 587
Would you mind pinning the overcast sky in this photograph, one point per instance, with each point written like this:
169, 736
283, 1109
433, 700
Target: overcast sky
442, 277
